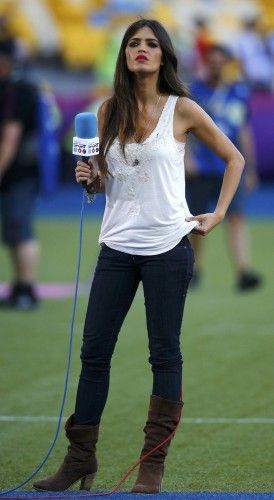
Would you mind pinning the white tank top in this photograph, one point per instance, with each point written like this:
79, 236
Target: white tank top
145, 194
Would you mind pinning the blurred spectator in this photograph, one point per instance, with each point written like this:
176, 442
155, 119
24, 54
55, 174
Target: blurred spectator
18, 179
227, 104
49, 120
202, 40
270, 49
20, 51
8, 43
250, 49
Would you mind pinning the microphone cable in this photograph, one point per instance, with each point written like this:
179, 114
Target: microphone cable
49, 451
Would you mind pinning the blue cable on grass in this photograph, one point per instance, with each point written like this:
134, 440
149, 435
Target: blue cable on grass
39, 467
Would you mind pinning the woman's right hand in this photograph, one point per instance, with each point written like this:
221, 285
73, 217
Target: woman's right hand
85, 172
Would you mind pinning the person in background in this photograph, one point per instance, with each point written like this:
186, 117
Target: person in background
18, 180
142, 128
202, 39
269, 42
227, 103
250, 48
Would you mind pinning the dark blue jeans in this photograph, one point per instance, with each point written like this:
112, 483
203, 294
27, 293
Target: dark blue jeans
165, 278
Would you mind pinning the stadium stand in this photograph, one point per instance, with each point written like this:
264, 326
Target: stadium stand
80, 29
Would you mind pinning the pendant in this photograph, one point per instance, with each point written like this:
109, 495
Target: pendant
136, 162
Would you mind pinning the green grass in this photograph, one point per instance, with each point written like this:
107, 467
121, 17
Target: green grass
228, 341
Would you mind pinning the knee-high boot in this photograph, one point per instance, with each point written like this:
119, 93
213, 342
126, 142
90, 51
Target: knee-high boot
163, 418
80, 462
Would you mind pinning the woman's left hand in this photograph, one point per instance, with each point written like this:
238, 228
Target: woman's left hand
206, 222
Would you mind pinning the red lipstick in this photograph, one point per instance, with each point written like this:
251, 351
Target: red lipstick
141, 57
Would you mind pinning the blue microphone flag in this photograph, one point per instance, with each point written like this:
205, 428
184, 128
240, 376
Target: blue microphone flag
86, 142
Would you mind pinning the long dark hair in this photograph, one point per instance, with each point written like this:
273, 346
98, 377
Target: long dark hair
121, 109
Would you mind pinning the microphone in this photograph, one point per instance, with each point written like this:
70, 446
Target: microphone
86, 141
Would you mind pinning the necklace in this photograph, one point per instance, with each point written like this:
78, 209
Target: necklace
139, 142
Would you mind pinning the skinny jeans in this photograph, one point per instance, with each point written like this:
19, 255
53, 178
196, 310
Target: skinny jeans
165, 278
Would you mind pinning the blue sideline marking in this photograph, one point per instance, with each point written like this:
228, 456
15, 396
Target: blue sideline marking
73, 495
66, 202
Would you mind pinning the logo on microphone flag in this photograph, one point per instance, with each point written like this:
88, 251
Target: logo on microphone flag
85, 147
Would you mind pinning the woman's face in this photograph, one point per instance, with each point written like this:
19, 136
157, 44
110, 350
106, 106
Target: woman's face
143, 52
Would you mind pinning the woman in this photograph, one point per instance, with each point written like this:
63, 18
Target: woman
143, 128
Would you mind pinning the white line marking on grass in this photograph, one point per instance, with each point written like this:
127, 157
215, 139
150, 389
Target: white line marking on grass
187, 420
249, 420
28, 418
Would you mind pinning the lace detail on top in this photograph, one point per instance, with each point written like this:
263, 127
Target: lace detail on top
135, 169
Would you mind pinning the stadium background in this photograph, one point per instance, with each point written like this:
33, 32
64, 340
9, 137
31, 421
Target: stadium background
69, 48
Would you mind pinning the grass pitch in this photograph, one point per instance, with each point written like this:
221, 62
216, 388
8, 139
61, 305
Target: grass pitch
227, 340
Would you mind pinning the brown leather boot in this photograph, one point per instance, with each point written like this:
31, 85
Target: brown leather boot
163, 418
80, 461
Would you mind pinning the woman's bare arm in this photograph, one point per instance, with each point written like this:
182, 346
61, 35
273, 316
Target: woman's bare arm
196, 120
